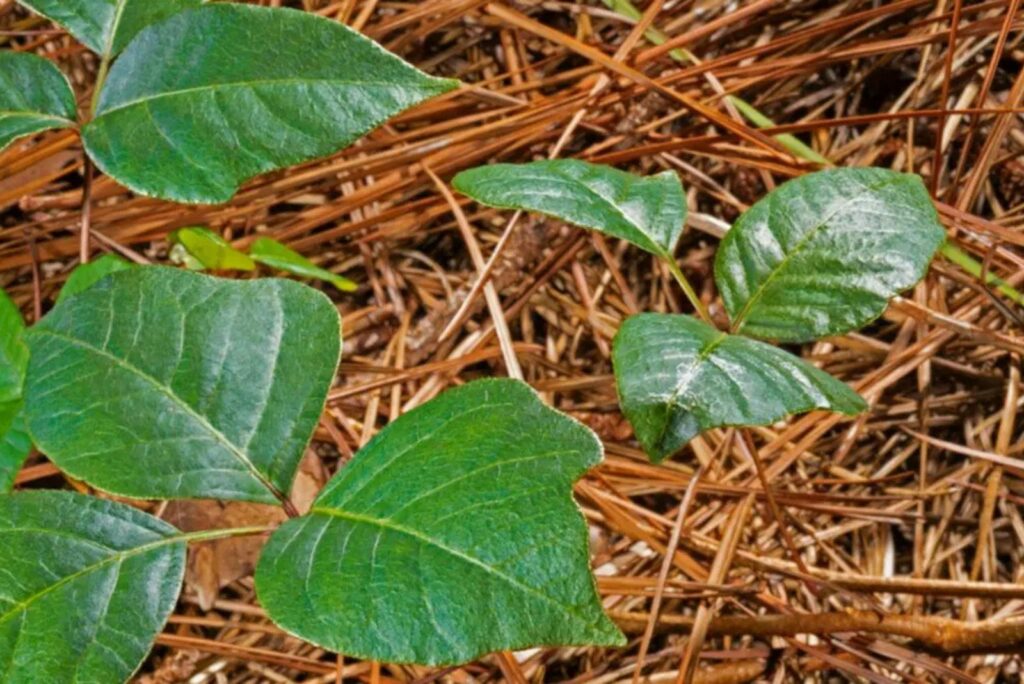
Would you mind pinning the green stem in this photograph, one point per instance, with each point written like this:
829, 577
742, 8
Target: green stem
969, 264
688, 290
101, 77
208, 535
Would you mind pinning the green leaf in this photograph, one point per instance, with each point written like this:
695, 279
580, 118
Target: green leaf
823, 254
86, 275
678, 376
648, 212
450, 535
34, 96
210, 250
14, 442
163, 383
106, 26
86, 586
272, 253
213, 96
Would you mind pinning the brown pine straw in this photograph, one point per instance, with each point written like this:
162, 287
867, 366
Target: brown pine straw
905, 531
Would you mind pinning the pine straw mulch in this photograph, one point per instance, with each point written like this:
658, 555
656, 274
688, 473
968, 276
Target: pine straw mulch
899, 552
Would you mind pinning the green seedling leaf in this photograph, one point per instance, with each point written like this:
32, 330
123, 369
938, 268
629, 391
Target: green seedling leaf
34, 96
823, 254
106, 26
14, 441
163, 383
450, 535
86, 586
275, 255
86, 275
678, 376
648, 212
213, 96
210, 251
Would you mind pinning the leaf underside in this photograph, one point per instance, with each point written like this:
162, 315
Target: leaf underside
450, 535
34, 96
678, 376
14, 441
86, 586
161, 383
823, 254
648, 212
201, 102
106, 26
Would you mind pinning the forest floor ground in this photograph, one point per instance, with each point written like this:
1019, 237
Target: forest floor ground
904, 526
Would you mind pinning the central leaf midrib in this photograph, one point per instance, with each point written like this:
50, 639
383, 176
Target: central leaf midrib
116, 557
387, 524
146, 99
219, 436
808, 238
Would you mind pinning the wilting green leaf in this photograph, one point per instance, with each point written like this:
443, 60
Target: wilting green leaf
213, 96
649, 212
86, 586
678, 376
450, 535
106, 26
272, 253
34, 96
14, 441
823, 254
158, 382
86, 275
211, 250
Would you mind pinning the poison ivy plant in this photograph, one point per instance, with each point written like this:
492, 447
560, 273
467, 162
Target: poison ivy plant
821, 255
34, 96
450, 535
648, 212
191, 99
678, 376
86, 275
215, 95
106, 26
14, 441
86, 586
158, 382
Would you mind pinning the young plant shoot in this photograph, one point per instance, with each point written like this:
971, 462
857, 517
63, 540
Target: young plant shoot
819, 256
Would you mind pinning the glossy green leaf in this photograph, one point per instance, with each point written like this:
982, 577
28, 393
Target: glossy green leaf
823, 254
272, 253
648, 212
34, 96
213, 96
106, 26
86, 275
210, 250
159, 382
450, 535
14, 441
678, 376
86, 586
